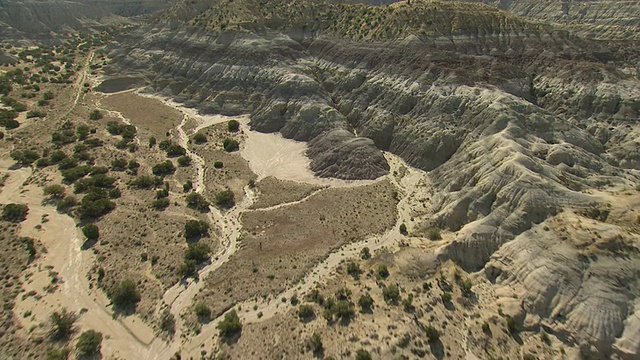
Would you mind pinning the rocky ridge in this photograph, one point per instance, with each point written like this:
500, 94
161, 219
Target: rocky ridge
516, 122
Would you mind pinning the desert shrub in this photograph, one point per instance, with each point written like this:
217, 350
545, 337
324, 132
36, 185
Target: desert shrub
433, 334
486, 328
188, 268
47, 95
66, 204
184, 161
164, 144
365, 302
133, 166
202, 312
315, 296
146, 182
152, 141
25, 157
446, 297
55, 191
512, 325
198, 202
315, 344
363, 354
403, 229
225, 199
195, 228
19, 107
119, 164
174, 150
15, 212
198, 252
95, 204
124, 294
82, 131
305, 312
343, 294
434, 234
161, 204
218, 164
67, 136
407, 303
58, 353
115, 193
230, 145
95, 115
62, 324
167, 322
162, 193
67, 163
73, 174
365, 253
97, 181
382, 272
233, 125
89, 343
199, 138
353, 269
164, 168
91, 231
342, 309
187, 186
466, 286
36, 114
56, 156
391, 294
231, 325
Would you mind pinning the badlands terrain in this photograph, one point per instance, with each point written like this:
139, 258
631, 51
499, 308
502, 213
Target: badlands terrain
270, 179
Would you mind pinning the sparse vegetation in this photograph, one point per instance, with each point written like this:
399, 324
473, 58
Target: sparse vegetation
15, 212
62, 324
225, 199
124, 294
89, 343
230, 326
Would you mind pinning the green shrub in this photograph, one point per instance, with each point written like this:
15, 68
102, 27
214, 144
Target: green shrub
403, 229
233, 125
146, 182
119, 164
164, 144
365, 302
446, 297
174, 150
187, 186
230, 145
218, 164
202, 312
433, 334
197, 201
305, 312
434, 234
91, 231
58, 353
225, 199
363, 354
152, 141
199, 138
198, 252
353, 269
56, 156
161, 204
36, 114
382, 272
89, 343
391, 294
62, 324
164, 168
365, 253
95, 115
15, 213
124, 294
184, 161
66, 204
315, 344
167, 322
231, 325
195, 228
55, 191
